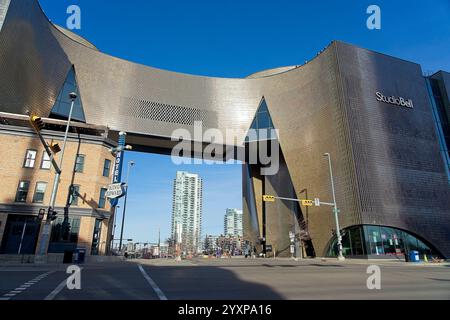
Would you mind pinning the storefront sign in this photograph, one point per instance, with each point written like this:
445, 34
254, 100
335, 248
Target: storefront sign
397, 101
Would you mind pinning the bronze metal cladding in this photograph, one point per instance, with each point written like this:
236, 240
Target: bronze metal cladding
386, 161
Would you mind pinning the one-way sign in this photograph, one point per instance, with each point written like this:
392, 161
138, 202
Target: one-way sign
115, 190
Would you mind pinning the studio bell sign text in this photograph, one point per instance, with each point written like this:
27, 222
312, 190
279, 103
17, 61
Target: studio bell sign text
397, 101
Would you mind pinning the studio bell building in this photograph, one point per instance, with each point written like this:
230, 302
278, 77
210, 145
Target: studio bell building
384, 124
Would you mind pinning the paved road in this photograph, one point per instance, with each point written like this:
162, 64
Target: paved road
226, 279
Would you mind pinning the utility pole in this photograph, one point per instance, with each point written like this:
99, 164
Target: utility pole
159, 242
43, 245
335, 211
130, 164
264, 230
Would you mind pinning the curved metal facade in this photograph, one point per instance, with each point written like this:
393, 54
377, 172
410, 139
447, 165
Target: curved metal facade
385, 158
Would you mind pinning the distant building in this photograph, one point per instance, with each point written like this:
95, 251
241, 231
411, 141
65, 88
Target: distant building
187, 212
164, 250
230, 245
233, 223
210, 244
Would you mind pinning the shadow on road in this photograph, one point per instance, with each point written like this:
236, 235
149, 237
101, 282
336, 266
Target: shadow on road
207, 283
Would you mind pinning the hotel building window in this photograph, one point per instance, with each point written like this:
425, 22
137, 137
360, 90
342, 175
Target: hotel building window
46, 163
22, 191
106, 168
75, 195
30, 159
39, 192
79, 163
102, 199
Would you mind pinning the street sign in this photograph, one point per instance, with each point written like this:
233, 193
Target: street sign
269, 248
291, 236
307, 203
115, 191
267, 198
336, 210
317, 202
117, 173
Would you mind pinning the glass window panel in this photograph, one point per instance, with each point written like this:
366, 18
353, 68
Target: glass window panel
263, 106
411, 243
63, 102
106, 168
102, 199
263, 120
373, 240
22, 191
79, 164
65, 231
390, 240
346, 247
39, 192
46, 161
357, 242
30, 158
75, 195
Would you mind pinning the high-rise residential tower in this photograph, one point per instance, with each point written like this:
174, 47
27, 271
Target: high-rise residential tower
187, 211
233, 223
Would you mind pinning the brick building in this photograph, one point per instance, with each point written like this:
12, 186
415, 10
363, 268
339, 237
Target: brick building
84, 217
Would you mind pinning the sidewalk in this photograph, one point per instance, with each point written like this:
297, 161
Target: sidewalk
11, 261
390, 262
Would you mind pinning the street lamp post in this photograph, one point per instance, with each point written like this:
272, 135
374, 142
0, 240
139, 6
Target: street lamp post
46, 233
130, 164
114, 227
335, 211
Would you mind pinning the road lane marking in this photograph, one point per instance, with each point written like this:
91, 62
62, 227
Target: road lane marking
153, 284
25, 286
58, 289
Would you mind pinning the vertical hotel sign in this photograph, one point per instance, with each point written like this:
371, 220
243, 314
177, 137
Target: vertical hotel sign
117, 175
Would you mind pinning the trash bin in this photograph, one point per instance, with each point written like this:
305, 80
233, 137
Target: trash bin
68, 256
406, 256
414, 256
80, 254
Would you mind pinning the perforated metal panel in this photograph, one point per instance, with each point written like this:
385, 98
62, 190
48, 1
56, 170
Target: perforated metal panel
157, 111
4, 4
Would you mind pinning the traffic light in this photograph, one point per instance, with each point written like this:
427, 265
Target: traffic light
41, 214
55, 147
37, 123
51, 215
268, 198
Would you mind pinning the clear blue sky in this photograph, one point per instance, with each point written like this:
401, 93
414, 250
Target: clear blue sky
234, 38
